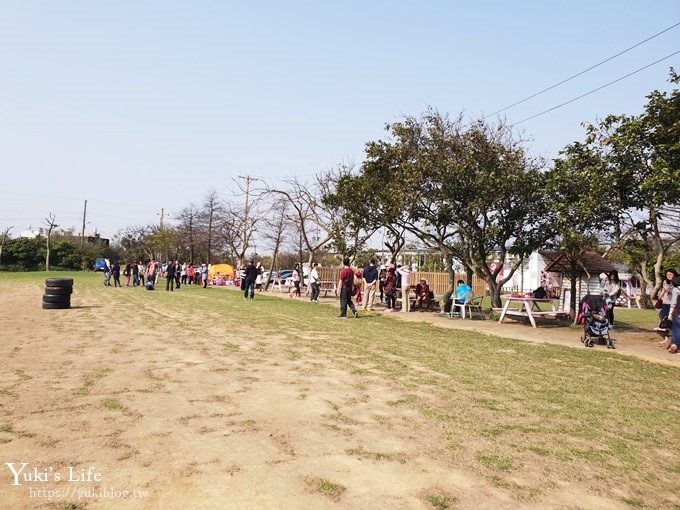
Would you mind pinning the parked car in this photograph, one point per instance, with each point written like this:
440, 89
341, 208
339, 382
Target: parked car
284, 274
267, 277
99, 265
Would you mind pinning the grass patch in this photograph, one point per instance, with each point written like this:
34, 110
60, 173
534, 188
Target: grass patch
89, 381
440, 500
495, 461
111, 405
23, 375
231, 347
326, 487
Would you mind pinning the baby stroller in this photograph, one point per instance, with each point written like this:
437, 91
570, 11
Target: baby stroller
593, 315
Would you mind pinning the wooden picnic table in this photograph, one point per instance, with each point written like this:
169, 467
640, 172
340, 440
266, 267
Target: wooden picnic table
529, 307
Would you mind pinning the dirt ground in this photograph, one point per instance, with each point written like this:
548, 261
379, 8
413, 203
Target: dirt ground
111, 405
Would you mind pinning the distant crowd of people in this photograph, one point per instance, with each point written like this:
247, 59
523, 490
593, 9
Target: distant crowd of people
147, 275
355, 287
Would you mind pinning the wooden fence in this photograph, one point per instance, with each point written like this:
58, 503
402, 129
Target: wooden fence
439, 282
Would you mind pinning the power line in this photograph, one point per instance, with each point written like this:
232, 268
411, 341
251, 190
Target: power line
582, 72
598, 88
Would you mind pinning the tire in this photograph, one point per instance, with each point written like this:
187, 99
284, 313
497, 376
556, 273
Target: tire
56, 306
59, 282
62, 291
56, 298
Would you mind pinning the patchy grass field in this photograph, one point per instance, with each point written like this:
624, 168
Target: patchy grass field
199, 399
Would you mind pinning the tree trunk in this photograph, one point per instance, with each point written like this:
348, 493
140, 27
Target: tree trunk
494, 291
572, 291
47, 255
469, 273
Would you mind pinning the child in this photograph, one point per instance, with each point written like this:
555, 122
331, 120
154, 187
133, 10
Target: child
357, 287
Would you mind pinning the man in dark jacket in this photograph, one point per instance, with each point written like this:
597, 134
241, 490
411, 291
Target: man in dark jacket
170, 276
370, 281
250, 277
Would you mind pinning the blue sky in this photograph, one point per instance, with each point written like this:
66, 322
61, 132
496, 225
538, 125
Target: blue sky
138, 106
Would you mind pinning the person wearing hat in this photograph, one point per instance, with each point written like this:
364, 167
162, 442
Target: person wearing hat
250, 278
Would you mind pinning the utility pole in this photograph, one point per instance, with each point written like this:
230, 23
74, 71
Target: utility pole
162, 217
82, 234
247, 178
245, 213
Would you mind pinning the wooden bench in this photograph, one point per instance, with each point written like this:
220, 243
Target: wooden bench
559, 313
327, 286
522, 313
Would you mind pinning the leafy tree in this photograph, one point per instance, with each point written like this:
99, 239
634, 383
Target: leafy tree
66, 255
25, 253
4, 237
641, 162
578, 212
467, 190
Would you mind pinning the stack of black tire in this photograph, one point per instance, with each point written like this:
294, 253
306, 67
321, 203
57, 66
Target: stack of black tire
58, 293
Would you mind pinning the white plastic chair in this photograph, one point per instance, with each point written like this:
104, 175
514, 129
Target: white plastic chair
461, 306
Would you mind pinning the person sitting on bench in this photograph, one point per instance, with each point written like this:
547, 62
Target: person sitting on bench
423, 293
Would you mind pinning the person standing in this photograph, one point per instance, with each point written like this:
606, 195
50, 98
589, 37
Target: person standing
128, 273
346, 286
258, 279
178, 273
135, 274
613, 289
140, 272
107, 274
204, 274
674, 315
405, 288
242, 277
190, 274
170, 276
115, 271
295, 288
390, 289
370, 283
250, 278
151, 274
314, 283
666, 293
183, 274
381, 283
